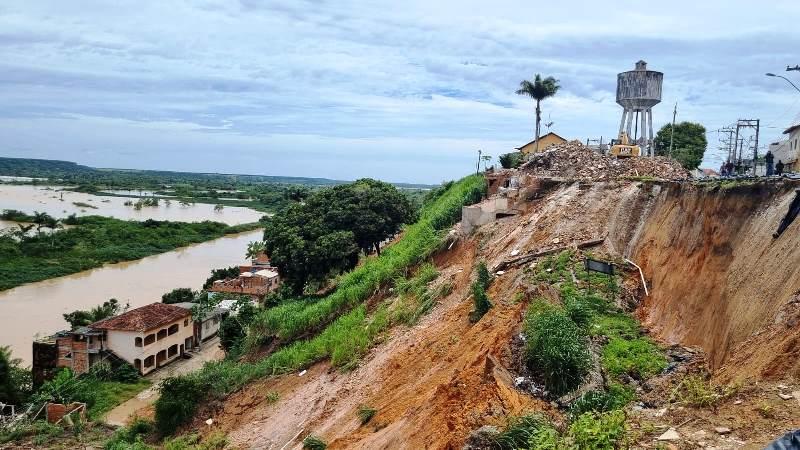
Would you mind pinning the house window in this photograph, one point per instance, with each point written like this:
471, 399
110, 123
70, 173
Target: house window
149, 339
137, 364
68, 355
186, 322
148, 362
173, 350
138, 342
162, 334
173, 329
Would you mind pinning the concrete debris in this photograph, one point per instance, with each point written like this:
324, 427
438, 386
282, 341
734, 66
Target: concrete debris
670, 435
576, 161
722, 430
785, 396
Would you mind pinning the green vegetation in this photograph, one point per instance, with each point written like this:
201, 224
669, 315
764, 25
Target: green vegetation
313, 442
689, 143
81, 318
94, 241
41, 431
617, 396
221, 274
365, 414
109, 394
479, 296
556, 347
415, 295
511, 160
639, 358
272, 397
233, 328
15, 380
530, 431
343, 339
598, 431
179, 295
311, 241
540, 89
695, 390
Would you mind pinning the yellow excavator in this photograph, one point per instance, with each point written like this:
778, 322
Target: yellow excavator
623, 148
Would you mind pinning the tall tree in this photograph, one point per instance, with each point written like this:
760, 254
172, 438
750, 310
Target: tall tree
538, 90
321, 237
254, 249
81, 318
689, 144
15, 381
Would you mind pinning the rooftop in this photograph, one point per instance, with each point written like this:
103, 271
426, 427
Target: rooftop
143, 318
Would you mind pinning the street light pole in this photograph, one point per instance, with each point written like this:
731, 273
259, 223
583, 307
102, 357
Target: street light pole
787, 80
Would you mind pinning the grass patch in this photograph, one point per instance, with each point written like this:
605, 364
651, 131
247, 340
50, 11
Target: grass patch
109, 394
365, 414
694, 390
313, 442
598, 431
272, 397
617, 396
556, 348
639, 358
526, 431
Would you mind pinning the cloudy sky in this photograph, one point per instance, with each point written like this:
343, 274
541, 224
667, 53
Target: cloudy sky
402, 91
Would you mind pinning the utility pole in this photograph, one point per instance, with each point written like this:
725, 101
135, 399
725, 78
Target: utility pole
755, 146
672, 133
755, 124
478, 167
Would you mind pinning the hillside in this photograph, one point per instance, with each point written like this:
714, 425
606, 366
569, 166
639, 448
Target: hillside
713, 282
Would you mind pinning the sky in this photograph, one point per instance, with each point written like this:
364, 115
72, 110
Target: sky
401, 91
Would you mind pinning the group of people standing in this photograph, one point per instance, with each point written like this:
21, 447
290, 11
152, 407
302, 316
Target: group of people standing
729, 168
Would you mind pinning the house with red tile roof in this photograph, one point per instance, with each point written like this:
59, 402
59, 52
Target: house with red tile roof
147, 337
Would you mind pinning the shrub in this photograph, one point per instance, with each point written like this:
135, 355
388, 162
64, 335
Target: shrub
272, 397
365, 413
484, 278
521, 431
557, 349
603, 431
616, 397
179, 295
481, 300
313, 442
694, 390
178, 402
579, 311
131, 437
639, 358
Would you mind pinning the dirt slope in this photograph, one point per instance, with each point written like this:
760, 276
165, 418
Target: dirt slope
716, 278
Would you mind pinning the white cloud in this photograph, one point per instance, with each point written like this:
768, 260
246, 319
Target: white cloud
349, 88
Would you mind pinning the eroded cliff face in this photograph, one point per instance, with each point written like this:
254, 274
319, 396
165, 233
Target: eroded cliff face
716, 274
717, 279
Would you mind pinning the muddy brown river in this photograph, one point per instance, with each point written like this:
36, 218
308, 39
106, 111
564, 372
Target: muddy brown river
36, 308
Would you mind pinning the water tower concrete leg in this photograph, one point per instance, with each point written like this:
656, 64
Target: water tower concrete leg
651, 142
643, 132
622, 121
629, 125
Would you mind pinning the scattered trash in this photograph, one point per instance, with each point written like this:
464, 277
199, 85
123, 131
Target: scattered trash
500, 272
515, 252
302, 373
210, 422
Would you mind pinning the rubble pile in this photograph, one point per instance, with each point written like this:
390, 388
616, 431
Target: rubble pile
576, 161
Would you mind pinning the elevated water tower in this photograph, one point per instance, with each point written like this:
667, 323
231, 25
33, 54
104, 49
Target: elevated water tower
637, 92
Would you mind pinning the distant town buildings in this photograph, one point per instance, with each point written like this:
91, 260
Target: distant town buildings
256, 279
788, 149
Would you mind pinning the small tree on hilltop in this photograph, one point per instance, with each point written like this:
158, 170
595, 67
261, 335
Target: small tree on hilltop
688, 143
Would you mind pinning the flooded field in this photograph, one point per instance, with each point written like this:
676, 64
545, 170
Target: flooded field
36, 308
60, 204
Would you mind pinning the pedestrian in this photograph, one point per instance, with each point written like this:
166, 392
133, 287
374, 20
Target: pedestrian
779, 168
769, 158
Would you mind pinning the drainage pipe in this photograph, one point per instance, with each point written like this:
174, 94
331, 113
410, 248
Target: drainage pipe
641, 274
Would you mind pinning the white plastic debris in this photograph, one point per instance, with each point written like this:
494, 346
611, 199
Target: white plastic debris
500, 272
302, 373
209, 421
515, 252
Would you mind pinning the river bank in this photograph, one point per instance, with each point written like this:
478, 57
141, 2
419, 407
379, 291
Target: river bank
36, 309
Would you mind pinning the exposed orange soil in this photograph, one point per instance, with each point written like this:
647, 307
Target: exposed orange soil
716, 277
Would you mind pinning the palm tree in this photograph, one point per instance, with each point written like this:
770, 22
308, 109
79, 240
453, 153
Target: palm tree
255, 248
539, 90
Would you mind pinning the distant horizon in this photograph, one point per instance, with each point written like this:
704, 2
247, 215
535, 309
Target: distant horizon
354, 89
410, 184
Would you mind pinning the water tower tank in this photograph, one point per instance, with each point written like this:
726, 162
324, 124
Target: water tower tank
639, 89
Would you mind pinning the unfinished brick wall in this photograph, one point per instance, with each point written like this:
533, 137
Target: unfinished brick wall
73, 354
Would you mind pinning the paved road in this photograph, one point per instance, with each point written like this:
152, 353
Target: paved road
120, 415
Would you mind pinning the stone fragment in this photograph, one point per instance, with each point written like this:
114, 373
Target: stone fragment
722, 430
785, 396
670, 435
